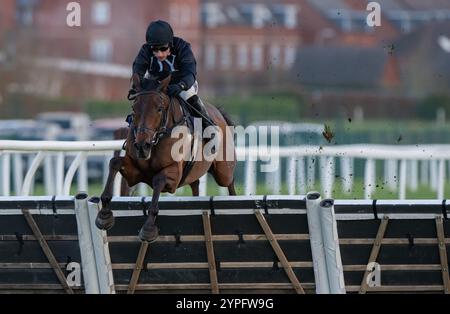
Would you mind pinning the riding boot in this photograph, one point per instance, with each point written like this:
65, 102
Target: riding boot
200, 111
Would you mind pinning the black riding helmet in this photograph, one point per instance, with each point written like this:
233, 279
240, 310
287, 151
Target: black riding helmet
159, 33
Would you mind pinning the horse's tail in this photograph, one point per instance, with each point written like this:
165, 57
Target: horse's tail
226, 116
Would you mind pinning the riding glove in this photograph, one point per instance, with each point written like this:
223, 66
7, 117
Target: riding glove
174, 89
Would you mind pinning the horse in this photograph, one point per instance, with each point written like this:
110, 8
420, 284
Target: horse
148, 157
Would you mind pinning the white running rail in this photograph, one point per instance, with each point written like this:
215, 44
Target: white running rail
403, 167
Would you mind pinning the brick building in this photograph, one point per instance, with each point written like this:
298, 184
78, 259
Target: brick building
93, 60
237, 43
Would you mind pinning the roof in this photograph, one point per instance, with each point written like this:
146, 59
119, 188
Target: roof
340, 66
405, 14
436, 57
242, 13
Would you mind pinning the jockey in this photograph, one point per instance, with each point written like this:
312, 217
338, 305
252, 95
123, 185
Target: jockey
162, 54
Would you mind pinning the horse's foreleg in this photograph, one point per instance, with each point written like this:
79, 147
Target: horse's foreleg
105, 218
149, 231
167, 179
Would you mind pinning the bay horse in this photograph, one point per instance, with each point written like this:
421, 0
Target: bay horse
148, 157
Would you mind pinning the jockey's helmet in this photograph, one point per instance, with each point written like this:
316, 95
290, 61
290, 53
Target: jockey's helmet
159, 33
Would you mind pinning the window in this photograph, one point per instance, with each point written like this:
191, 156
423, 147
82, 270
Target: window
225, 60
212, 14
275, 55
242, 55
210, 57
101, 12
101, 50
289, 57
286, 15
257, 57
25, 10
180, 15
185, 16
260, 15
290, 17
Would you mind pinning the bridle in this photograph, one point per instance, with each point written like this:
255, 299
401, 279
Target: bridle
162, 129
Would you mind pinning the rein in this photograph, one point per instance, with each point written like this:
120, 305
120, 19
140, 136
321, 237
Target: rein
162, 130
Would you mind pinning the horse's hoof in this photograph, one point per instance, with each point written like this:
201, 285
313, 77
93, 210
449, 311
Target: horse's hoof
104, 222
148, 235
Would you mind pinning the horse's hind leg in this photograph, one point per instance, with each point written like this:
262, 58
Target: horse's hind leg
231, 190
125, 190
222, 171
194, 187
105, 218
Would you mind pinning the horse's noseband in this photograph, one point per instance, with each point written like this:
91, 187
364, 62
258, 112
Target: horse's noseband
162, 130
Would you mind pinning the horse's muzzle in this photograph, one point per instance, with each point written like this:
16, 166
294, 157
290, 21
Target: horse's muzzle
143, 149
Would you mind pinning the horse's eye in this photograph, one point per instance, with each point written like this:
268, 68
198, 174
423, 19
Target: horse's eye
160, 109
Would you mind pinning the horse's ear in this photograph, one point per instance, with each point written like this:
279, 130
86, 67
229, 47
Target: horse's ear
136, 82
164, 83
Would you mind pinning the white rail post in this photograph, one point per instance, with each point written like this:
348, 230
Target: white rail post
203, 186
59, 173
433, 174
291, 173
347, 174
316, 239
143, 189
277, 186
301, 175
117, 184
327, 175
390, 174
18, 173
71, 172
101, 250
369, 178
49, 179
331, 245
424, 172
6, 171
29, 177
441, 179
414, 172
250, 177
322, 172
82, 181
223, 190
105, 171
30, 160
402, 188
311, 172
88, 263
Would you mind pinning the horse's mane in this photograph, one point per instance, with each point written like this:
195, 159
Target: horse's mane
150, 83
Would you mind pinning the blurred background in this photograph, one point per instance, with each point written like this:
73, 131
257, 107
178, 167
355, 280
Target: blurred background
302, 62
